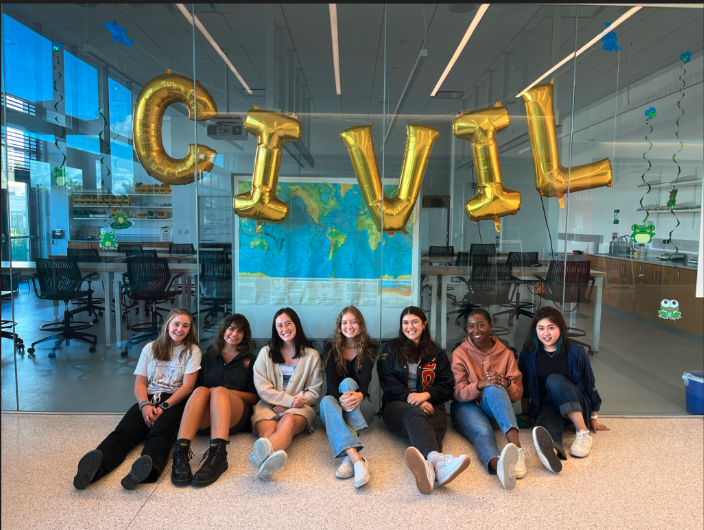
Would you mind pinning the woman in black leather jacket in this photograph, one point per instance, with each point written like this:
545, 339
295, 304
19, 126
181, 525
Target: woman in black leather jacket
416, 379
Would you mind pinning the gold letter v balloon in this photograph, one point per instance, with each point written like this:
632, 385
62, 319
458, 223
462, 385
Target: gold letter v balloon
492, 200
273, 130
551, 177
394, 211
152, 102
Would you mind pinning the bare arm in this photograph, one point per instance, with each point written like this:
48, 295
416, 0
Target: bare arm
140, 388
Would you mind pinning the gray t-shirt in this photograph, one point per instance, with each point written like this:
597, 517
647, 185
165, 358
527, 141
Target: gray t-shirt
412, 376
287, 371
167, 376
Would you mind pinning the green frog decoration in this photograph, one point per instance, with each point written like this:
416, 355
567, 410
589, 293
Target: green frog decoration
670, 310
59, 176
107, 239
121, 221
643, 233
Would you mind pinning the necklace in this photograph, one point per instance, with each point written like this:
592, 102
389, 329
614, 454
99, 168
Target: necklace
551, 354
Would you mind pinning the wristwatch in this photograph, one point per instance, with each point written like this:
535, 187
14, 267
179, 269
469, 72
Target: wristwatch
164, 405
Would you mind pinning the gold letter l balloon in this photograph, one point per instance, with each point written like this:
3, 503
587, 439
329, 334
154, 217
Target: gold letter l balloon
492, 200
152, 102
396, 210
551, 177
273, 130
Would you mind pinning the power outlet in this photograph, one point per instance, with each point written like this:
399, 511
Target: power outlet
666, 241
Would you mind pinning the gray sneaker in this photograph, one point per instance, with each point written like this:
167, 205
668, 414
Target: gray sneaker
271, 465
506, 466
261, 450
546, 449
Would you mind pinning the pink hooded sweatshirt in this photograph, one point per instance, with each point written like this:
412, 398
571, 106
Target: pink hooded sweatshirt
469, 364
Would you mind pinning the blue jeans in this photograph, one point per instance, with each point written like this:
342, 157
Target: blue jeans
561, 399
345, 427
474, 422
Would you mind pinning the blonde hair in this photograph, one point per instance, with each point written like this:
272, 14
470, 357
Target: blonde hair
162, 348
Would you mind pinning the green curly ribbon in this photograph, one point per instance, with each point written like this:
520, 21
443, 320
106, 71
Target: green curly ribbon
673, 201
642, 177
100, 141
54, 54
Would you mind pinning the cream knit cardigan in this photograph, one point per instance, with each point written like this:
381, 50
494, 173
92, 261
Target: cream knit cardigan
305, 383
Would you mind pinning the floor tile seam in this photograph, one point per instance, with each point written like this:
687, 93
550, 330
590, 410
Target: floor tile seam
163, 477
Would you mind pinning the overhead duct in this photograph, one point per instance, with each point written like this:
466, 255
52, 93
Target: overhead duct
422, 56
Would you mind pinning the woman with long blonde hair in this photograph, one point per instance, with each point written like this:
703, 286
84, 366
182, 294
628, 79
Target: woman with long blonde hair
346, 410
165, 376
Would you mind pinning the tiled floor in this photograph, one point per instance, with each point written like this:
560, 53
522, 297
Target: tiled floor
644, 473
638, 367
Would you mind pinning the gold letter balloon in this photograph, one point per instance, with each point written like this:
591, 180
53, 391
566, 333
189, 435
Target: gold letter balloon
394, 211
551, 178
273, 130
492, 200
152, 102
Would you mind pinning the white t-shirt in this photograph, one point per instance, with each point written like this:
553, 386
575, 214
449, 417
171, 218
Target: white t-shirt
287, 371
167, 376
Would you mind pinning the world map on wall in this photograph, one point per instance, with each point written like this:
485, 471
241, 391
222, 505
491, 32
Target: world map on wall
329, 234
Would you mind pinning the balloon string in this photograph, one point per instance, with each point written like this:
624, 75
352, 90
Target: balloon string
674, 157
642, 177
56, 108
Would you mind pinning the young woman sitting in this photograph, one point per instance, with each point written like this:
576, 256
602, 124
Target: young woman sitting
487, 381
289, 381
165, 375
221, 404
416, 381
558, 389
346, 410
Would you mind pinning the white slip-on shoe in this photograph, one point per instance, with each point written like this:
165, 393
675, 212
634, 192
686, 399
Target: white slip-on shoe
271, 465
362, 473
546, 450
346, 469
261, 450
448, 467
422, 470
520, 469
582, 445
505, 467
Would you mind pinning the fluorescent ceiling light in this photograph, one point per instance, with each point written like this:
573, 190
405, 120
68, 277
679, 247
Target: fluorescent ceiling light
214, 44
584, 48
463, 43
335, 47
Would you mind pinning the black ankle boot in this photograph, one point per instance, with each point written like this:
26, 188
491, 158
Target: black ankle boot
215, 463
181, 470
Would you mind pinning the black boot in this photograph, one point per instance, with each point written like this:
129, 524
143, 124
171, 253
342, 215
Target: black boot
181, 470
87, 468
215, 463
141, 469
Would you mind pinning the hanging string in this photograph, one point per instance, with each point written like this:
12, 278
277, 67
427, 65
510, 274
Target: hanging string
672, 202
55, 49
649, 114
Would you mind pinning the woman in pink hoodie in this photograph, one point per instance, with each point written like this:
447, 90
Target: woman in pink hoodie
487, 380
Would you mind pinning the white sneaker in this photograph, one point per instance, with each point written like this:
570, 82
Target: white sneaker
520, 469
362, 473
261, 450
448, 467
346, 469
545, 449
421, 469
505, 467
271, 465
582, 444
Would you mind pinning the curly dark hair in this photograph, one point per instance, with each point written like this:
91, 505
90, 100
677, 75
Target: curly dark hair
236, 321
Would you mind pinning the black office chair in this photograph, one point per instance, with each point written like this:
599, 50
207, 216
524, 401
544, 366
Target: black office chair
559, 284
213, 256
88, 255
216, 289
441, 252
131, 249
521, 259
487, 285
60, 279
182, 248
462, 260
480, 253
149, 281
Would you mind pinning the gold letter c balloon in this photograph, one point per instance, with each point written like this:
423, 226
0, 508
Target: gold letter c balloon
396, 210
492, 200
273, 130
551, 177
152, 102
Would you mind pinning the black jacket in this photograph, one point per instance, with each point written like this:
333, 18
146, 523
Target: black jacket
393, 376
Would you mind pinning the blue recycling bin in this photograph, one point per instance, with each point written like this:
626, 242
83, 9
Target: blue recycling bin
694, 391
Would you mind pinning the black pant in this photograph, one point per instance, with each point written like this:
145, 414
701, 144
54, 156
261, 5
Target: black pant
426, 432
561, 398
132, 430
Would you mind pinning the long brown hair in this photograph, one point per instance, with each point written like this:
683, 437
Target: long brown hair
162, 348
425, 351
237, 321
363, 343
300, 341
532, 343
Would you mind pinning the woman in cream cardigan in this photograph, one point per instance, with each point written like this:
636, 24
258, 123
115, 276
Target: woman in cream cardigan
289, 382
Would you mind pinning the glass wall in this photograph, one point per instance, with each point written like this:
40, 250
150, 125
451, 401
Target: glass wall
349, 156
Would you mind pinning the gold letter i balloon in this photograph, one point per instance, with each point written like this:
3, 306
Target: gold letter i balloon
396, 210
152, 102
273, 130
492, 200
550, 176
